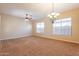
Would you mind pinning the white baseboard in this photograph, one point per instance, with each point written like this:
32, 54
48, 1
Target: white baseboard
76, 42
15, 37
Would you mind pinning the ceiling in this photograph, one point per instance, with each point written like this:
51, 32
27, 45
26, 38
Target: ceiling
62, 7
38, 10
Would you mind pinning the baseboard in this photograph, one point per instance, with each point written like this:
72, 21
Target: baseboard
67, 41
16, 37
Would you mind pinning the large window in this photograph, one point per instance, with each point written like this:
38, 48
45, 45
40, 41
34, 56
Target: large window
40, 27
62, 27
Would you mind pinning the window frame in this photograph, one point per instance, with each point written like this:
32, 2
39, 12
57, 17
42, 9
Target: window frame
61, 28
37, 31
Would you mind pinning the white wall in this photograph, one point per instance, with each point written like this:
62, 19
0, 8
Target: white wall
14, 27
0, 27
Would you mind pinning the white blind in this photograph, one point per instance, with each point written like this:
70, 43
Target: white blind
40, 27
62, 27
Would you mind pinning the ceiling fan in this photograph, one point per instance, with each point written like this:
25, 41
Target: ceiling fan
28, 17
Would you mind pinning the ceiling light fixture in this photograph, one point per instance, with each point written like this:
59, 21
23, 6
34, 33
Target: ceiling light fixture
53, 16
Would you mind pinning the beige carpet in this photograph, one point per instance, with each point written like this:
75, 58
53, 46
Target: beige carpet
36, 46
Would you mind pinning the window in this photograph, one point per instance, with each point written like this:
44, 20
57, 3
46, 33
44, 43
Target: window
40, 27
62, 27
